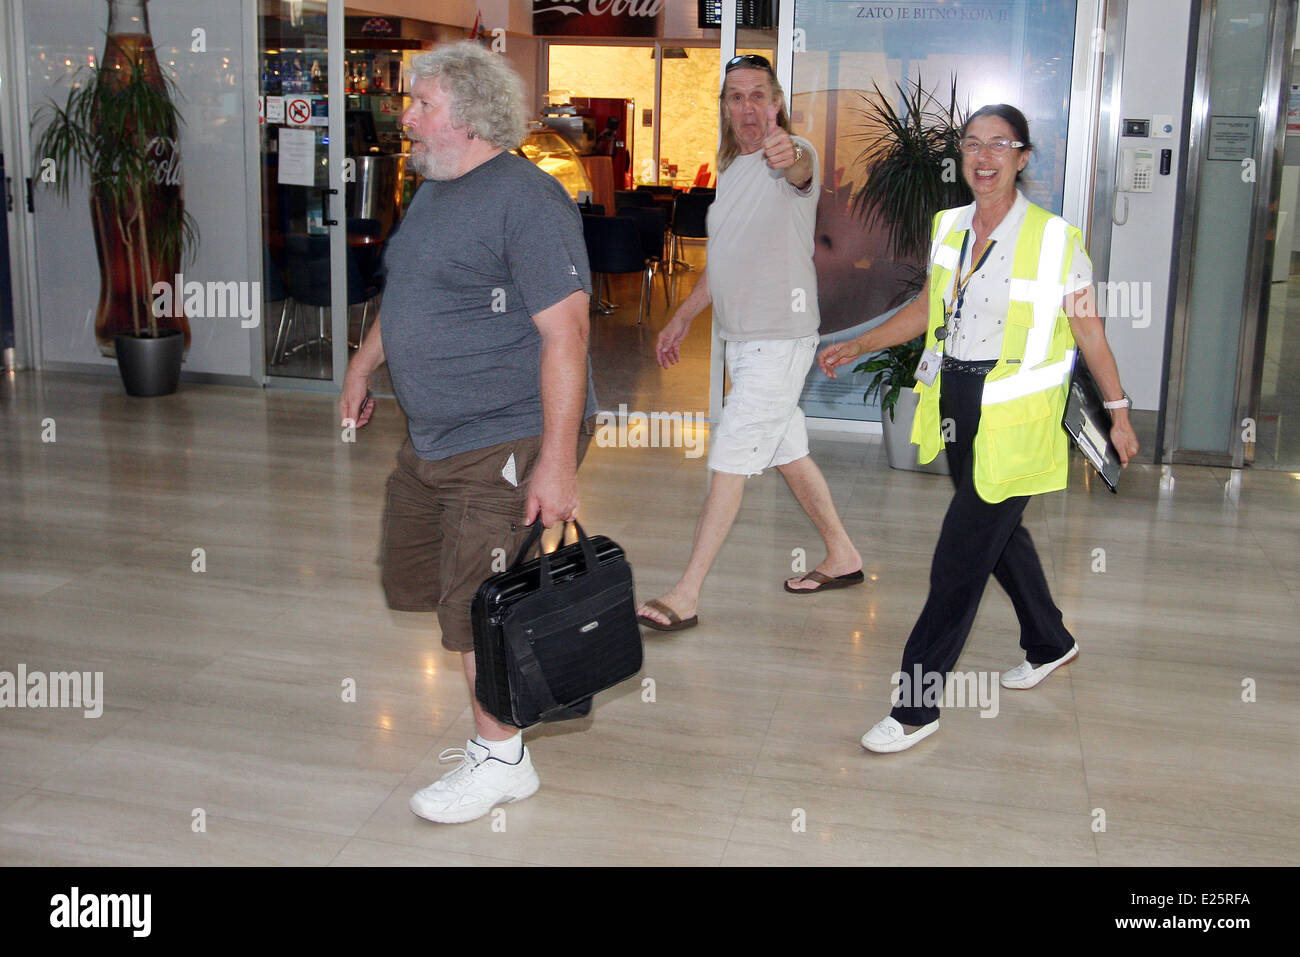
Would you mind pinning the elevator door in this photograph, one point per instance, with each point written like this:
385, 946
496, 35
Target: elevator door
1218, 348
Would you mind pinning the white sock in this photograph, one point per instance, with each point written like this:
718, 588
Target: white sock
510, 750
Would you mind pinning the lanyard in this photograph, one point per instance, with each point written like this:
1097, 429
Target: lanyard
958, 284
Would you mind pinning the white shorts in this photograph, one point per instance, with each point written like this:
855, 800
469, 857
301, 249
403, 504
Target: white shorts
762, 424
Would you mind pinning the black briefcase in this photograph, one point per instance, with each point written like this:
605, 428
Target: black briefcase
551, 632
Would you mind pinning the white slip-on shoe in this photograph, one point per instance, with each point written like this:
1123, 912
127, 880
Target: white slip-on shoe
1025, 675
479, 783
888, 736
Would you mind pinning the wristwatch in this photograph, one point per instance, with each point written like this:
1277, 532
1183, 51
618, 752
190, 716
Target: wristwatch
1124, 402
798, 152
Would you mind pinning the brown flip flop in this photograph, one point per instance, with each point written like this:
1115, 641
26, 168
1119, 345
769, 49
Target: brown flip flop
826, 583
675, 622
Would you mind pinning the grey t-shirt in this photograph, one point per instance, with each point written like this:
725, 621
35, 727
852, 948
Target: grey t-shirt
474, 259
760, 254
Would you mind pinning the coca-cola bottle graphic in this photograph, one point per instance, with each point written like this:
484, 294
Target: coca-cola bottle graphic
127, 268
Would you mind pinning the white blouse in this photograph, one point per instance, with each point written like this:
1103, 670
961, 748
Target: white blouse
976, 334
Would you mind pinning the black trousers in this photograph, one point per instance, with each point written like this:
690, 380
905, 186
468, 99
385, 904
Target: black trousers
978, 539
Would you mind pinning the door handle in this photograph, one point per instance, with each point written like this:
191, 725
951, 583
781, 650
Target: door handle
31, 198
325, 195
9, 194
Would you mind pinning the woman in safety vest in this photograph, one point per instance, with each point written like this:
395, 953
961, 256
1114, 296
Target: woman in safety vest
1008, 297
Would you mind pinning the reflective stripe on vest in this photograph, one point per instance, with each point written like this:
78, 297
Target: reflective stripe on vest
1028, 381
946, 220
1044, 296
947, 257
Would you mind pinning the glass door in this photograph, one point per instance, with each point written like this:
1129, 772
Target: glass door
1222, 312
305, 264
6, 296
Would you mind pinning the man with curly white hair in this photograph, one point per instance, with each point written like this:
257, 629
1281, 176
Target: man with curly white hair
484, 329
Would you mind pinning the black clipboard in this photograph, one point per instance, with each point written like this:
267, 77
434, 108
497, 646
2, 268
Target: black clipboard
1088, 424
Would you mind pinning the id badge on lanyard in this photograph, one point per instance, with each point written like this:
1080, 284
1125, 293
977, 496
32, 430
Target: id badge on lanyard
931, 359
928, 368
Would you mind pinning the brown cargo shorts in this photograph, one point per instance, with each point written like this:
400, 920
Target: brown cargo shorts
451, 523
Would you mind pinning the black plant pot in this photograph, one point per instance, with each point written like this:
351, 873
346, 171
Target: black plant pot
151, 366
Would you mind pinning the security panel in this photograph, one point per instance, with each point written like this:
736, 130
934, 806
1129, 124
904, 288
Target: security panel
1137, 167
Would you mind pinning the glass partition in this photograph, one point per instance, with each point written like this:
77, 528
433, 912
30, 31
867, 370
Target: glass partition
1214, 422
994, 52
294, 103
688, 143
612, 72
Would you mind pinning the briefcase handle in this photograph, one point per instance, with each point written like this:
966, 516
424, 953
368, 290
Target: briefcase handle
535, 535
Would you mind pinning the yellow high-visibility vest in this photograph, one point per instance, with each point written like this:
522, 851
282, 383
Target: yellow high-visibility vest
1020, 447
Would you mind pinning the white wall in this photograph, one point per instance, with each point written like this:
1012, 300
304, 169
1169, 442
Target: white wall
1155, 62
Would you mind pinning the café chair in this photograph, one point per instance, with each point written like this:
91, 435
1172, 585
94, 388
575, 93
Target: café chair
624, 198
690, 221
368, 271
614, 246
307, 282
273, 291
652, 224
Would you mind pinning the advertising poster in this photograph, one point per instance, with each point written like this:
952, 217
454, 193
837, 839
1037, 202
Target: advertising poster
1019, 52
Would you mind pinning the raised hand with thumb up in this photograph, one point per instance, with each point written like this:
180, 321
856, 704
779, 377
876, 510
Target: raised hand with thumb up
778, 148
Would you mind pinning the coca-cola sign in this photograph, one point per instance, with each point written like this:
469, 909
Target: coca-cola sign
597, 18
165, 156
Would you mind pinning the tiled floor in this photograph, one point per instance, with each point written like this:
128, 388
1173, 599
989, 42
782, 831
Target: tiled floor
222, 688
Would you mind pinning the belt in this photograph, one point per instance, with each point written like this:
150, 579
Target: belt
978, 367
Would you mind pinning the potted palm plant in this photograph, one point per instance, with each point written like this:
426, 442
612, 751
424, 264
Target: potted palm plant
892, 379
913, 166
117, 128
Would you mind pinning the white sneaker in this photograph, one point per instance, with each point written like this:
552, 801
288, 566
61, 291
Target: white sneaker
479, 783
888, 736
1025, 675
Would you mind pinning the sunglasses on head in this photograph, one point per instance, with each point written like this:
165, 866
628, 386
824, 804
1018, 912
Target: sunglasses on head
752, 60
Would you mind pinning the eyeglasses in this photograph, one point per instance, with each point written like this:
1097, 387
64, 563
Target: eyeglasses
970, 144
749, 60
